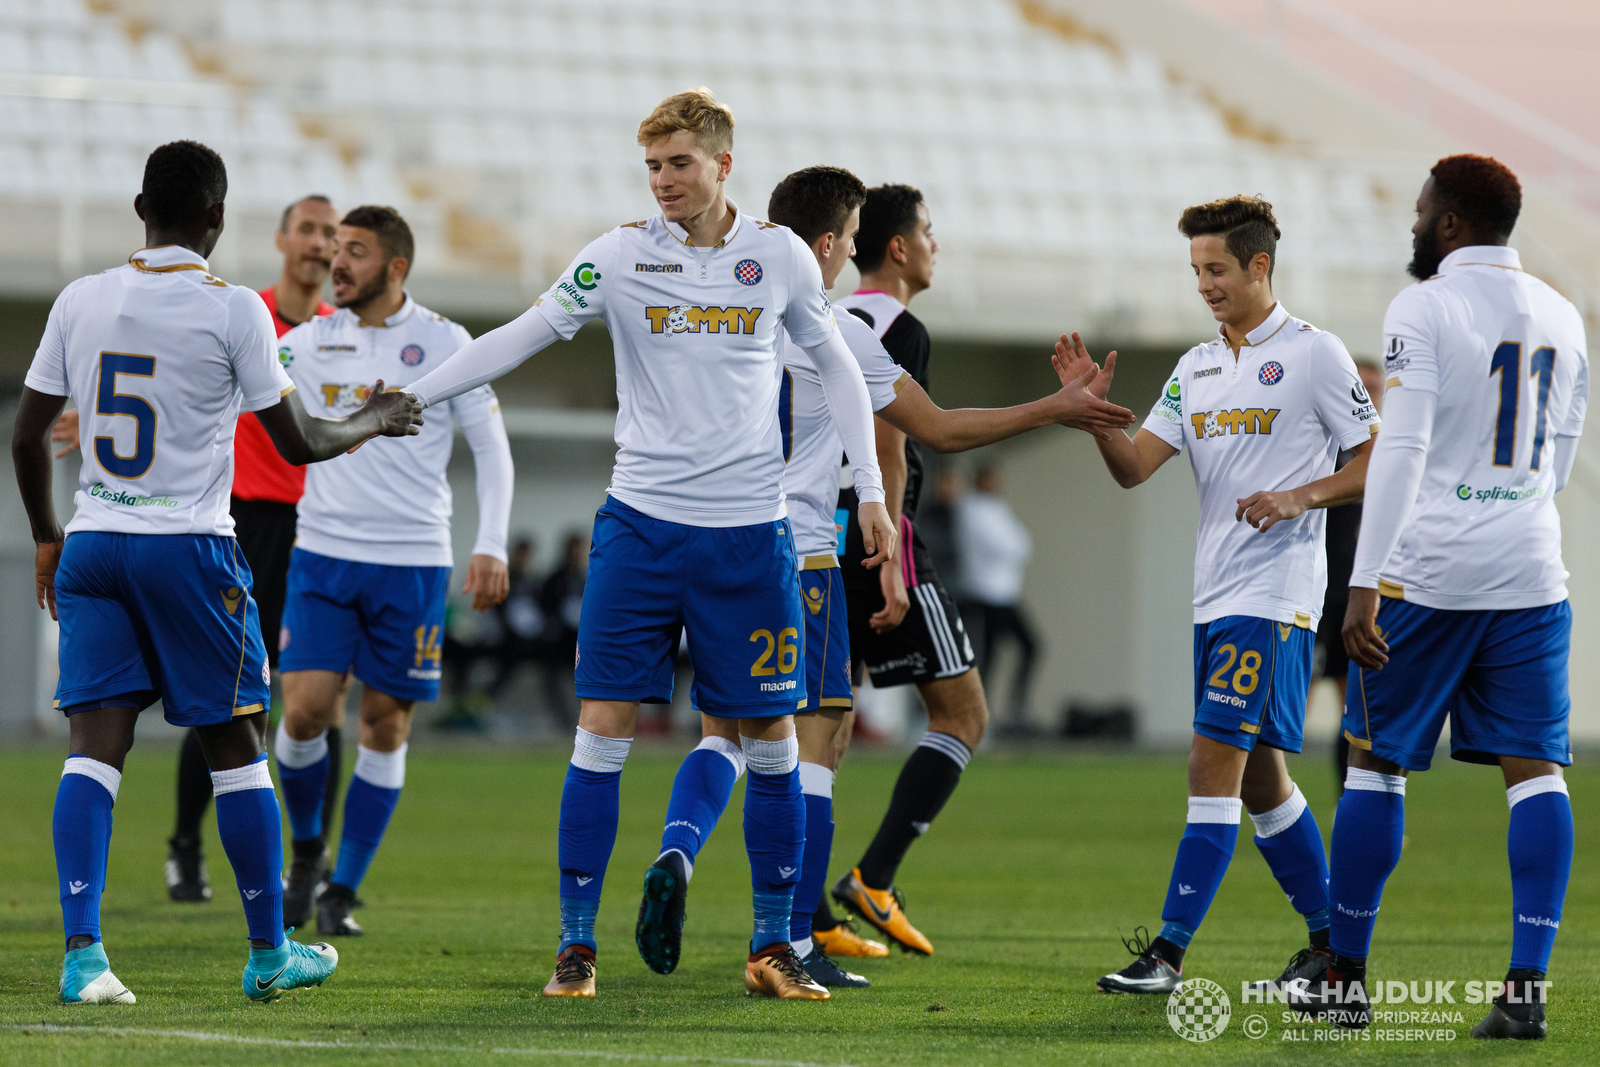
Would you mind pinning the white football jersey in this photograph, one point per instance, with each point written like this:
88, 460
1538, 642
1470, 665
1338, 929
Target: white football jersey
811, 441
160, 357
1275, 418
1507, 358
389, 501
696, 333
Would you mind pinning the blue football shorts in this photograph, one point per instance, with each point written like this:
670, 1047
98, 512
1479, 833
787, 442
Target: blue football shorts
1500, 677
1252, 677
827, 635
732, 590
384, 622
159, 615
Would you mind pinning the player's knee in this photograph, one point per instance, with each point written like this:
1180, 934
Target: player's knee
1363, 759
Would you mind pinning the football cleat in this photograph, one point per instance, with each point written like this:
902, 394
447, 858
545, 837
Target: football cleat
1333, 996
1305, 965
574, 975
659, 931
825, 972
272, 973
86, 978
333, 913
304, 882
776, 972
1516, 1013
843, 940
883, 908
1148, 973
186, 872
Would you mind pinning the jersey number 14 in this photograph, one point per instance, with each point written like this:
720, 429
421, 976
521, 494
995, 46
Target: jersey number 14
1507, 362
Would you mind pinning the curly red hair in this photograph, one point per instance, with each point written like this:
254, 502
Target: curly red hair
1483, 191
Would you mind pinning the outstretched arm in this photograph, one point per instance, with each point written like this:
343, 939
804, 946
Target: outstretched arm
30, 456
486, 358
1130, 461
301, 438
957, 430
1264, 509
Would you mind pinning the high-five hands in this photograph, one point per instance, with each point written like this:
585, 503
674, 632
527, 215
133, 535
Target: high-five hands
390, 414
1081, 403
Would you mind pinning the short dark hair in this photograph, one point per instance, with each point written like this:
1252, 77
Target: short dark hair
394, 236
1483, 191
889, 211
283, 220
1246, 221
182, 181
816, 201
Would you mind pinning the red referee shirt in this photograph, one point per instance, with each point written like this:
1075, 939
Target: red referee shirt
259, 473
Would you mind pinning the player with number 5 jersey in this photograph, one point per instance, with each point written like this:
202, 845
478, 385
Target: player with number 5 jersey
1458, 599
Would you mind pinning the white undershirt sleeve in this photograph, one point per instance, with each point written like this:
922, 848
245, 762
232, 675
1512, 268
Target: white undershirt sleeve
1566, 456
1393, 478
486, 358
850, 406
491, 457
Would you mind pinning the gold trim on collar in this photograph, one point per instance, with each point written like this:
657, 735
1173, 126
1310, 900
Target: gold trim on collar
139, 264
1247, 343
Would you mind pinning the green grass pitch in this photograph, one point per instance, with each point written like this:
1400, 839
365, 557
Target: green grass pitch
1021, 884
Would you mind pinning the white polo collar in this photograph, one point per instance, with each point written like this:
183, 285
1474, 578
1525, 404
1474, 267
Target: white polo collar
1502, 256
407, 309
1263, 333
163, 259
683, 235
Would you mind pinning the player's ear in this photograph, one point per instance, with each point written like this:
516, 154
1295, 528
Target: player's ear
724, 166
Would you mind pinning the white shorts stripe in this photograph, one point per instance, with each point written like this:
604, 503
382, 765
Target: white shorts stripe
933, 619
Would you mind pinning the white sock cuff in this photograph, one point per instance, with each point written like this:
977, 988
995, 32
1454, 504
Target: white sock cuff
386, 770
1373, 782
603, 755
1215, 809
1545, 783
947, 745
688, 864
1280, 818
803, 947
816, 780
723, 747
103, 773
250, 776
296, 754
771, 757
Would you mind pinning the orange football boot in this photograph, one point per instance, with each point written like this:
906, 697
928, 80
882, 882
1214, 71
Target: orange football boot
842, 940
881, 908
574, 975
775, 971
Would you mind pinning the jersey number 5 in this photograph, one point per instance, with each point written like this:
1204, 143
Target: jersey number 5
110, 402
1507, 362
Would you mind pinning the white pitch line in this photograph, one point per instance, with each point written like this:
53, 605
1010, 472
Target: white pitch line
386, 1046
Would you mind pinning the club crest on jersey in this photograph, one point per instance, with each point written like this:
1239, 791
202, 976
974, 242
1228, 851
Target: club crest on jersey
1271, 372
411, 355
1247, 420
688, 319
748, 272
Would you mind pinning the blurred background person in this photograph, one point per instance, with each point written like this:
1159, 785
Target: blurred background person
561, 601
1344, 523
938, 526
994, 548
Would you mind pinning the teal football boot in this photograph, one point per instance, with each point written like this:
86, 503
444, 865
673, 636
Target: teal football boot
272, 972
86, 978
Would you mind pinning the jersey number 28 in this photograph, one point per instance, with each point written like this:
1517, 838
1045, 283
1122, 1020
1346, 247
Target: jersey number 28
110, 402
1507, 362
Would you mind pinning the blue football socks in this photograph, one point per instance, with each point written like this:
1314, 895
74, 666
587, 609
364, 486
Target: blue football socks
1203, 855
1539, 843
303, 772
774, 835
1291, 843
589, 807
368, 805
1367, 833
251, 828
816, 789
700, 794
81, 828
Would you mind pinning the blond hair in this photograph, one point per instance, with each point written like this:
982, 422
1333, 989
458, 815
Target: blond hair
696, 111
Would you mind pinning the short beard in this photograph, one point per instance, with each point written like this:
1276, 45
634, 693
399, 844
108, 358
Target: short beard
1425, 257
367, 293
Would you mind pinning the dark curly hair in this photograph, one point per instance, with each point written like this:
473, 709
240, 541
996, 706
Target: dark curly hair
394, 236
1483, 191
889, 211
182, 181
1246, 221
816, 201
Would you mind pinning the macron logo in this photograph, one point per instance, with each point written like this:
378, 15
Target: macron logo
77, 887
786, 871
1184, 890
251, 894
586, 881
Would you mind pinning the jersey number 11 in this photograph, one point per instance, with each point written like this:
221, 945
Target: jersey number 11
1507, 362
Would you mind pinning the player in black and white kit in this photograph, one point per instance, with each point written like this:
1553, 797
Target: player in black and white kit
904, 626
